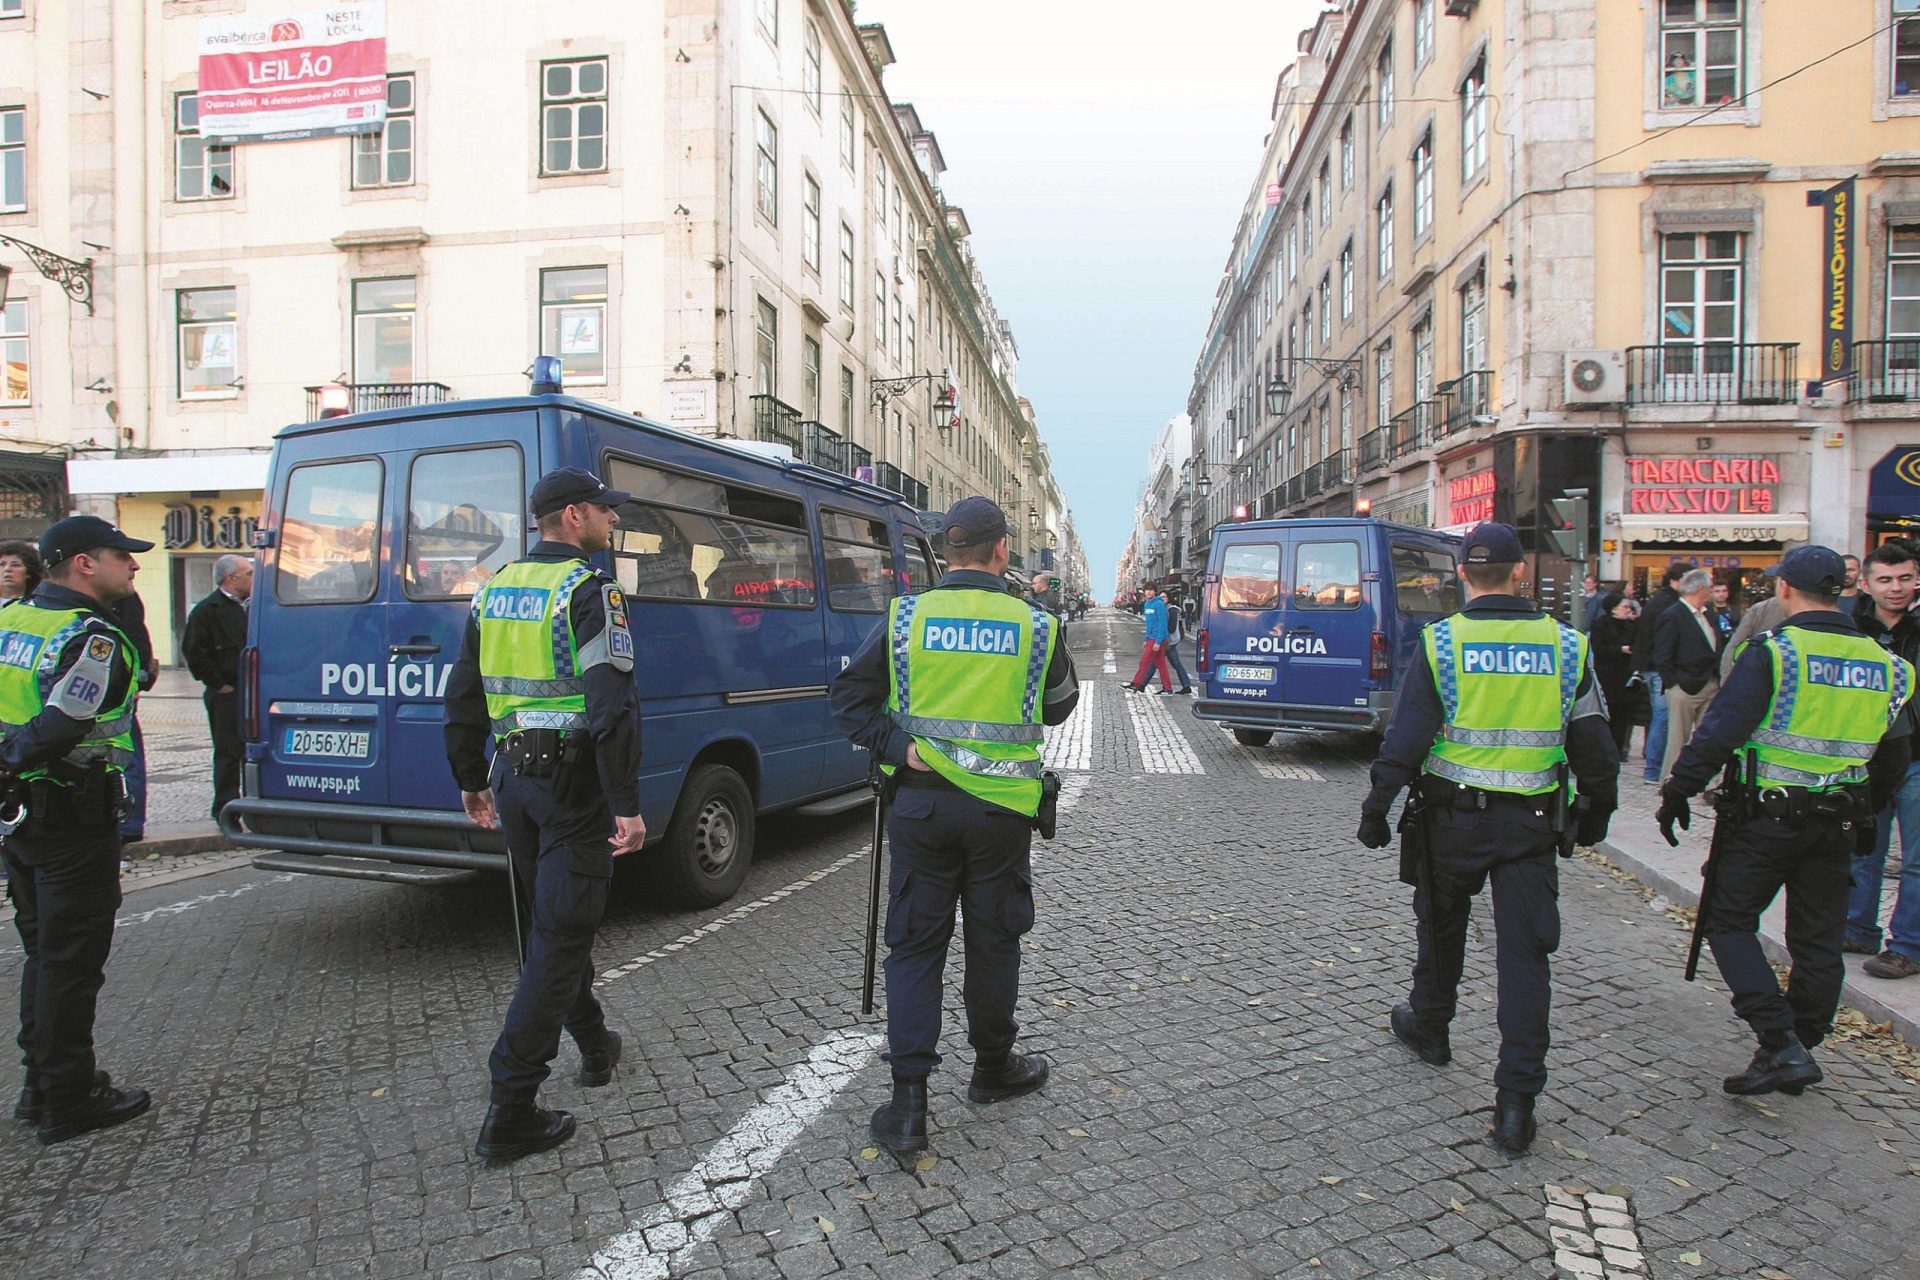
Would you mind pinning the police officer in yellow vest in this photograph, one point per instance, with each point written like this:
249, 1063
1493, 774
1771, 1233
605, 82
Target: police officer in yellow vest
950, 696
1498, 706
546, 674
66, 712
1813, 708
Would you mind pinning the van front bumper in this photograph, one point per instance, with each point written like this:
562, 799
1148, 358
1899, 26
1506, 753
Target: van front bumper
1291, 717
418, 837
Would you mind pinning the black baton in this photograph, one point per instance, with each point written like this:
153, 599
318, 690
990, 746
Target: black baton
882, 791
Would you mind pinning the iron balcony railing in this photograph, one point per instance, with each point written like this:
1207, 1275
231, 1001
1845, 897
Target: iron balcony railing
894, 480
369, 397
1470, 397
1270, 503
776, 422
1327, 474
1373, 448
825, 448
857, 458
1713, 373
1885, 371
1408, 430
1296, 489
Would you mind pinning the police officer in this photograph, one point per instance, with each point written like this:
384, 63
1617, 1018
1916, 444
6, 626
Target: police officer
950, 697
67, 677
545, 670
1813, 707
1499, 702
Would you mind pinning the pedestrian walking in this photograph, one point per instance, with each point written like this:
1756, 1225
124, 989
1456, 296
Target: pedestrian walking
1177, 630
66, 719
957, 731
215, 636
1891, 578
546, 671
1686, 656
1499, 703
1153, 652
20, 569
1611, 643
1811, 716
1587, 606
1653, 749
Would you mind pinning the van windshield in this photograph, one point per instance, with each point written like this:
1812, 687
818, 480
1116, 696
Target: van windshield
1250, 576
1424, 581
327, 535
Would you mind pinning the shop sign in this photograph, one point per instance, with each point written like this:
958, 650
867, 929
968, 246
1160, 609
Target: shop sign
189, 526
1836, 266
1470, 497
1703, 484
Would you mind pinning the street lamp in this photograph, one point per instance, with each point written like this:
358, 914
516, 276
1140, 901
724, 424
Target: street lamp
1033, 519
76, 278
1280, 391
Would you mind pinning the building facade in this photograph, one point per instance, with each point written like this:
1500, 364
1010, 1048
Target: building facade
1568, 267
708, 209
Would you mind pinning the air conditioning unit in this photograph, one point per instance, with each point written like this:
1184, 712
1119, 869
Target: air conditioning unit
1461, 8
1596, 377
899, 270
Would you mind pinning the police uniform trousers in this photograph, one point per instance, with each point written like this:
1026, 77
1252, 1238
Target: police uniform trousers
950, 847
1760, 856
1511, 846
64, 880
557, 831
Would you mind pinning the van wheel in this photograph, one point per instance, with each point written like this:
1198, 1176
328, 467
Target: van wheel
1253, 737
709, 843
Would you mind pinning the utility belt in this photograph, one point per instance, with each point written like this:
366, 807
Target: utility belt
541, 753
1044, 821
1436, 792
1796, 806
87, 796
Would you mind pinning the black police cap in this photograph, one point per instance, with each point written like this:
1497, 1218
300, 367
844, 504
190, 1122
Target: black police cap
974, 522
564, 486
1492, 543
76, 534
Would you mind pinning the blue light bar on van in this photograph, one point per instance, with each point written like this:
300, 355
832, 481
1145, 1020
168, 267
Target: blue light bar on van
546, 375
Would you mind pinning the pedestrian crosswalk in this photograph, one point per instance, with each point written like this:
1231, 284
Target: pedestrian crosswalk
1163, 748
1070, 745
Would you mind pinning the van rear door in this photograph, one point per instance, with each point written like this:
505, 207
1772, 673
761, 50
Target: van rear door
1244, 626
1329, 626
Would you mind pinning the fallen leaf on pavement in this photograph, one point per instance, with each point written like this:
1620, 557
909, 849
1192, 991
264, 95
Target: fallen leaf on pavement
381, 1092
1064, 1004
1076, 1133
1678, 1182
869, 1153
1455, 1205
1775, 1273
925, 1164
1692, 1258
826, 1226
1331, 1180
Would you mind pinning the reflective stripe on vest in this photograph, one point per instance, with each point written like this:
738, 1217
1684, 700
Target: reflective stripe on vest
1507, 687
979, 730
32, 639
1835, 696
529, 659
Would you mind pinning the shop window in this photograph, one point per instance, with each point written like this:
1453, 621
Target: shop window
329, 535
464, 520
1250, 576
573, 117
1326, 575
384, 158
573, 321
383, 330
207, 325
202, 170
1701, 48
16, 357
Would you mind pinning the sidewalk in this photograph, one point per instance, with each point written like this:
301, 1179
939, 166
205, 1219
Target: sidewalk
1635, 844
173, 721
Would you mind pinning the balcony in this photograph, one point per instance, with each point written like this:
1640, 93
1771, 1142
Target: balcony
857, 458
1296, 489
1409, 430
894, 480
1885, 372
1713, 373
1373, 448
775, 422
825, 448
1470, 397
369, 397
1327, 474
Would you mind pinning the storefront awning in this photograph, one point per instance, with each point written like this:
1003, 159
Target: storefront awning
172, 473
1788, 527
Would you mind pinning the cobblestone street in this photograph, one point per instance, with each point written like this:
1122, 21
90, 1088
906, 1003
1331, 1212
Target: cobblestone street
1211, 973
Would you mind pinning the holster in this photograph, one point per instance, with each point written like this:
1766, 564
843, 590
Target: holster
88, 796
1413, 842
1044, 820
1797, 807
539, 753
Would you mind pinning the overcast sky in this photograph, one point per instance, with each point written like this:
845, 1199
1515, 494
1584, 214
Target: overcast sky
1102, 150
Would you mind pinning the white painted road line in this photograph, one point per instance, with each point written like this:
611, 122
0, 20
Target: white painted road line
699, 1203
179, 908
1070, 745
1163, 748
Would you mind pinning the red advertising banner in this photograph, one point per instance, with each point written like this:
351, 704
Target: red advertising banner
281, 76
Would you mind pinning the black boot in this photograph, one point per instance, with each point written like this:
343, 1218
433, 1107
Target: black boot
28, 1108
1012, 1076
103, 1107
901, 1125
1435, 1050
596, 1065
515, 1129
1513, 1126
1809, 1038
1781, 1062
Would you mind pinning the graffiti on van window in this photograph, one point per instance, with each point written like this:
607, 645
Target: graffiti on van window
190, 526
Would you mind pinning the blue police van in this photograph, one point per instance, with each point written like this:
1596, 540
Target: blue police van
752, 579
1308, 625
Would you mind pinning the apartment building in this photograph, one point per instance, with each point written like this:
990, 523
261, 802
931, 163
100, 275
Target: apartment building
1570, 267
710, 210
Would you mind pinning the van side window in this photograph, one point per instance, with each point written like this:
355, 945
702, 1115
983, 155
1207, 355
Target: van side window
1327, 575
464, 520
920, 570
737, 546
859, 562
1424, 581
329, 533
1250, 576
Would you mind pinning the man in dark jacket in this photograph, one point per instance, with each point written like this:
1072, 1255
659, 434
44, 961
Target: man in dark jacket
216, 633
1655, 750
1686, 655
1891, 578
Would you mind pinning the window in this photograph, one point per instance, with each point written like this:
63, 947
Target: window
846, 403
1423, 185
1422, 32
898, 221
1383, 383
690, 538
329, 535
16, 357
202, 170
810, 70
1906, 50
766, 167
1473, 323
898, 332
767, 12
1326, 310
810, 222
1325, 188
207, 323
1326, 575
1306, 226
13, 8
913, 358
810, 377
1423, 360
1346, 154
1700, 52
464, 520
1306, 330
858, 556
1383, 211
385, 158
1293, 249
1346, 418
920, 562
879, 311
846, 266
383, 332
1346, 281
1903, 293
1424, 581
848, 153
1250, 576
1473, 122
1700, 297
879, 188
573, 116
1383, 85
573, 321
13, 159
766, 348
